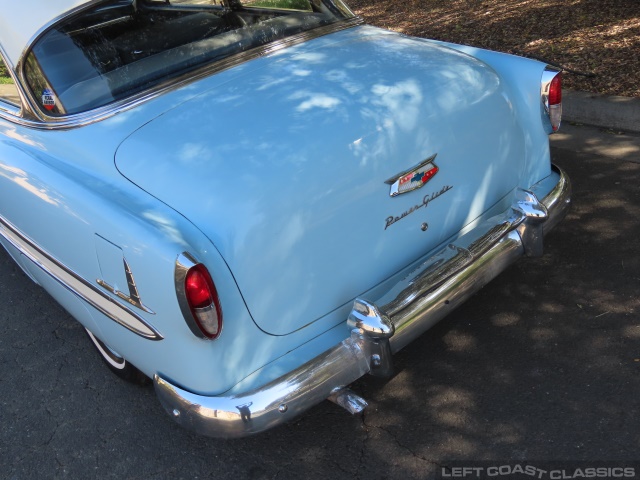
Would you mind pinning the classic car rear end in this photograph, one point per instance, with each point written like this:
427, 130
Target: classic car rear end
257, 203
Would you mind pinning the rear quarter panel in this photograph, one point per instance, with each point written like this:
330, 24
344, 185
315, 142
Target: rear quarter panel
61, 190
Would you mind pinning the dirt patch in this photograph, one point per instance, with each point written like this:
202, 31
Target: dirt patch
596, 37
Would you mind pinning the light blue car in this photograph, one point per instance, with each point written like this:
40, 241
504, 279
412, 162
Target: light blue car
256, 202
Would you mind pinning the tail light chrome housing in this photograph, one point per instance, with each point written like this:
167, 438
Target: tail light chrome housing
551, 93
198, 297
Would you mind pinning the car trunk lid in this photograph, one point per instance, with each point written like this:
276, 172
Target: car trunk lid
291, 171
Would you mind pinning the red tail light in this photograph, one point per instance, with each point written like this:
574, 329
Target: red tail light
198, 298
551, 91
555, 90
199, 287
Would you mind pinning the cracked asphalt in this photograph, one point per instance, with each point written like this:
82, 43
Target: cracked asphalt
542, 364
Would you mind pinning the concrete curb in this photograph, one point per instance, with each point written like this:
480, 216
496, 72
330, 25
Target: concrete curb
618, 113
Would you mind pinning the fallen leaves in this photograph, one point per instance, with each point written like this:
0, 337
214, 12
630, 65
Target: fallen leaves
588, 36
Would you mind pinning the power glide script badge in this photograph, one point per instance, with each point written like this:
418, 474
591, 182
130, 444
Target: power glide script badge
413, 178
426, 200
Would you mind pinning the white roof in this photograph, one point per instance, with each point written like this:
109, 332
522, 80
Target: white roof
21, 20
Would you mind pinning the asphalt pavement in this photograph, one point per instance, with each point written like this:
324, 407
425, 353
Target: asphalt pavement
542, 365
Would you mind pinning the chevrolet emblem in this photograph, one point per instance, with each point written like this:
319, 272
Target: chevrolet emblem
413, 178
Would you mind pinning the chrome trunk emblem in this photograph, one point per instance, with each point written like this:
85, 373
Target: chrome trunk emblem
413, 178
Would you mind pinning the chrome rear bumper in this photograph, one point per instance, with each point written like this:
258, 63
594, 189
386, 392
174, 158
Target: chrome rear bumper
379, 329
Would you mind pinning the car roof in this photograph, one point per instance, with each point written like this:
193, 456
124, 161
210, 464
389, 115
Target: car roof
22, 20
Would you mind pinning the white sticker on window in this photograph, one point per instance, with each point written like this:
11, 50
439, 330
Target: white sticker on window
48, 99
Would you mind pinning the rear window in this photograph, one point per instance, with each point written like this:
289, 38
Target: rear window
120, 48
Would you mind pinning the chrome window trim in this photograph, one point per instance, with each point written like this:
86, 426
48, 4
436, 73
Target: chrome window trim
77, 285
33, 117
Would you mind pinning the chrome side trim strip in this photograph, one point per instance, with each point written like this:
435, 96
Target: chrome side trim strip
463, 267
35, 118
77, 285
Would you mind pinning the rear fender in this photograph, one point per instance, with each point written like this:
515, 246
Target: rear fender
522, 77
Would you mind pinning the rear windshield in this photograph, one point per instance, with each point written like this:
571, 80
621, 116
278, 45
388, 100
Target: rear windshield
120, 48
